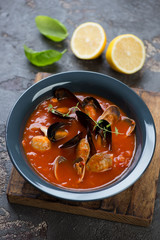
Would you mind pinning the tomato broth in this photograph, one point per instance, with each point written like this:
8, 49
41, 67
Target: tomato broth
123, 147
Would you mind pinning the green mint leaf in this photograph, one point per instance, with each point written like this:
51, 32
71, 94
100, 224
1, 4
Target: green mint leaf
42, 58
51, 28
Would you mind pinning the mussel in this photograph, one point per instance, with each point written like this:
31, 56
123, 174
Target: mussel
131, 125
56, 131
91, 143
62, 93
72, 142
59, 114
91, 107
100, 162
85, 120
103, 129
111, 114
56, 163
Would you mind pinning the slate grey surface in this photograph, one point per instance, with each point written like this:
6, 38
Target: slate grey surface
17, 27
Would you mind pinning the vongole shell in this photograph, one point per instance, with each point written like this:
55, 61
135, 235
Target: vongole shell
111, 114
100, 162
58, 160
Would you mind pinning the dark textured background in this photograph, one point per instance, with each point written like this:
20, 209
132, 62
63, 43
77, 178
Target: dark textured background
17, 27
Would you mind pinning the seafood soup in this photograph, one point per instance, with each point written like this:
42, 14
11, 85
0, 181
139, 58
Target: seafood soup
79, 141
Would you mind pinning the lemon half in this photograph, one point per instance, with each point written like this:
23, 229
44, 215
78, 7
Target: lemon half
126, 54
88, 40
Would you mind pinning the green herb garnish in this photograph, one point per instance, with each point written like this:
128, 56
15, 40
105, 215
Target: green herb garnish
72, 109
51, 28
43, 58
105, 128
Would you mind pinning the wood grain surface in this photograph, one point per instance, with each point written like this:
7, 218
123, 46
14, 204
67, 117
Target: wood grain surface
134, 205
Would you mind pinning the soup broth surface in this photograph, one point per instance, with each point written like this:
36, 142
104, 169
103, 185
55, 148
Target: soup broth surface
43, 162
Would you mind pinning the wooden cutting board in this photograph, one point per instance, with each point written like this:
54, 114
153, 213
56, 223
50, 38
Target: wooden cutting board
134, 205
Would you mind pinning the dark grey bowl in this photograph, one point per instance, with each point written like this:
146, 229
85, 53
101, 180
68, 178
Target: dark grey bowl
90, 82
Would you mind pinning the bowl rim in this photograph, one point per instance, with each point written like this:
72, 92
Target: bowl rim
99, 193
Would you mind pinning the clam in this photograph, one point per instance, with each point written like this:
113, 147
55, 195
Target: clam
56, 163
56, 131
72, 142
131, 123
80, 167
111, 114
100, 162
82, 155
91, 107
83, 149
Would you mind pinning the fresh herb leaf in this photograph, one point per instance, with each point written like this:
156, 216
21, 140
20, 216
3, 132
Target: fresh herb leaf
43, 58
105, 128
51, 28
116, 131
50, 107
72, 109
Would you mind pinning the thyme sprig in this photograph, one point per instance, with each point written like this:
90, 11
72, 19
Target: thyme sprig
72, 109
105, 128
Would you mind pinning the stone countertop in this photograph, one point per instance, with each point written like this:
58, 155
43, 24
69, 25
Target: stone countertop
17, 27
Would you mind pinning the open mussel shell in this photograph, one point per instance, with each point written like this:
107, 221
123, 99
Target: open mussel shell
105, 133
54, 128
131, 125
59, 114
62, 93
85, 120
92, 102
111, 114
91, 143
72, 142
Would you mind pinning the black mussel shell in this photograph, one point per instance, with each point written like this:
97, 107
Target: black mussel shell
91, 101
62, 93
53, 129
85, 120
72, 142
92, 147
61, 115
105, 135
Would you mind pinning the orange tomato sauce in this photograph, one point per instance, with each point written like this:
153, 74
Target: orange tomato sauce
123, 148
